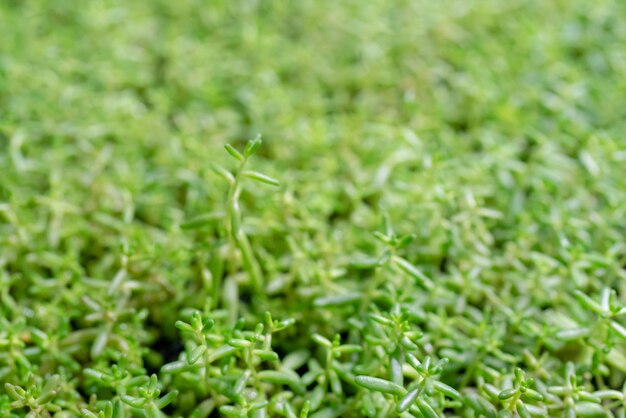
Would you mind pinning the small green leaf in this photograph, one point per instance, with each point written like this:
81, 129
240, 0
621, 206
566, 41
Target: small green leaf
255, 175
322, 340
425, 408
196, 353
118, 409
348, 348
405, 240
448, 391
609, 394
408, 400
167, 399
284, 324
282, 378
221, 352
230, 411
413, 361
183, 326
338, 300
573, 334
46, 397
532, 395
506, 394
304, 412
491, 391
14, 392
380, 385
521, 409
266, 355
225, 174
95, 374
175, 367
288, 410
88, 414
365, 263
239, 343
132, 401
590, 410
240, 384
252, 146
99, 343
233, 152
412, 271
587, 302
381, 320
151, 410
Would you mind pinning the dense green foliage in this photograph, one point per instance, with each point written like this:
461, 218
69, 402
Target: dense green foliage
433, 225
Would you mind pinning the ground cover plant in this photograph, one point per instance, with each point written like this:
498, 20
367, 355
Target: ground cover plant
431, 223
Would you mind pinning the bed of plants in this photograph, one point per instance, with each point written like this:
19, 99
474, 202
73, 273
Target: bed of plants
316, 209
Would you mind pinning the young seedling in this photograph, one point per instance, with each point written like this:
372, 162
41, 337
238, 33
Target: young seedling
236, 232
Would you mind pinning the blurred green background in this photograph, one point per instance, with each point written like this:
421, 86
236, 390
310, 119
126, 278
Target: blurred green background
113, 111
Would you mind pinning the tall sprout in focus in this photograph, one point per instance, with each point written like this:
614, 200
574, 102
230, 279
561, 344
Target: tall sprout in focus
236, 234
